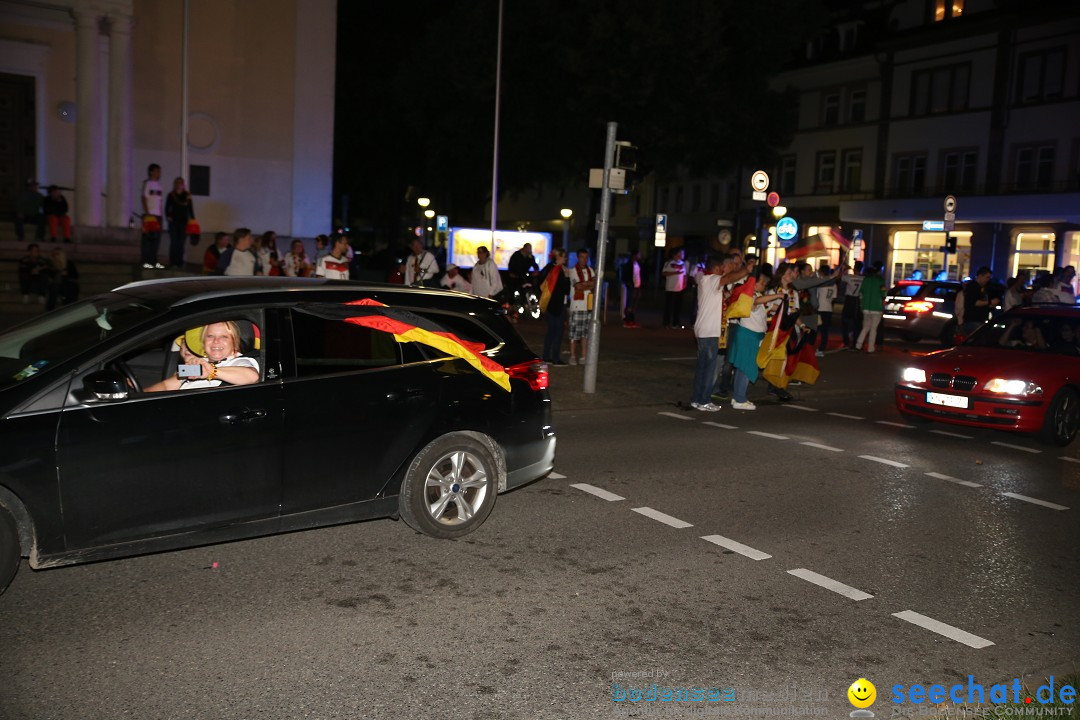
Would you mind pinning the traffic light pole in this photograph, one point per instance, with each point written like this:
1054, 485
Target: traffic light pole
592, 354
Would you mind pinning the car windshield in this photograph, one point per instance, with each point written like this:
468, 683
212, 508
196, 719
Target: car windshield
35, 346
906, 289
1030, 333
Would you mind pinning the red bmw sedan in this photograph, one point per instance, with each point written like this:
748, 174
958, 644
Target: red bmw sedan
1018, 372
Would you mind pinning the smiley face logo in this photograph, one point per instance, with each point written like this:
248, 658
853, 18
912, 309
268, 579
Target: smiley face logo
862, 693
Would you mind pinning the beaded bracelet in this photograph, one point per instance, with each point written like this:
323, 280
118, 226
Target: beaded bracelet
213, 373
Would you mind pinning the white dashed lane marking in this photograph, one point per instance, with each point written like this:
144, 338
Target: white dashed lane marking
952, 434
883, 461
662, 517
830, 584
598, 492
772, 436
950, 478
721, 425
822, 447
928, 623
1014, 447
846, 417
737, 547
1025, 498
1069, 459
801, 407
676, 415
894, 424
556, 476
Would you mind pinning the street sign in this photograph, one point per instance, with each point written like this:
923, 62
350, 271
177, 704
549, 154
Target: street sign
759, 181
759, 196
773, 199
661, 222
948, 225
661, 239
442, 223
950, 204
856, 239
787, 228
933, 225
949, 216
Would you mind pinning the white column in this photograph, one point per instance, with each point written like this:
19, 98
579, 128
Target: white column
120, 122
88, 140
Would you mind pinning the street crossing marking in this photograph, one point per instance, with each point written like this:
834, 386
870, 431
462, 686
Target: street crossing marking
846, 417
801, 407
768, 435
556, 476
883, 461
1069, 459
598, 492
676, 415
952, 434
830, 584
950, 478
928, 623
721, 425
737, 547
662, 517
821, 447
1014, 447
1025, 498
894, 424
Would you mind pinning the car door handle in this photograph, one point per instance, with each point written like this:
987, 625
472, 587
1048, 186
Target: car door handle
404, 393
242, 416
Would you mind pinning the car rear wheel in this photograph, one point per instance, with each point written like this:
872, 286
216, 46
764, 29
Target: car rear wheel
1062, 418
9, 548
450, 487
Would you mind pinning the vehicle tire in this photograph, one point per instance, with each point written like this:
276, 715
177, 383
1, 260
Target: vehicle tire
450, 487
9, 548
1062, 418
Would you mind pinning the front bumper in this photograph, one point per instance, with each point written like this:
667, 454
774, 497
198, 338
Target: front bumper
985, 410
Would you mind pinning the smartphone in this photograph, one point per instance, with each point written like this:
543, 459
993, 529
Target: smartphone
189, 371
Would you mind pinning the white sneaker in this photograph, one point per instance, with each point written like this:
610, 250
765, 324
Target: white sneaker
711, 407
743, 405
707, 407
147, 266
159, 266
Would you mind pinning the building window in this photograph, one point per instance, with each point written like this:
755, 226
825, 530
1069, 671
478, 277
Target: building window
831, 110
958, 171
857, 106
662, 201
1034, 167
945, 9
695, 198
714, 197
851, 180
940, 90
909, 174
199, 180
1041, 77
826, 172
787, 175
678, 198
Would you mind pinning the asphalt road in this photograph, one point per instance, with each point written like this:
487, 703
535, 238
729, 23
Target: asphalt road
789, 550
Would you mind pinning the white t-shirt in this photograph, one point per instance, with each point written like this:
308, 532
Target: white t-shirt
675, 283
825, 296
710, 303
332, 268
242, 262
486, 281
419, 268
853, 285
756, 321
580, 274
238, 361
151, 192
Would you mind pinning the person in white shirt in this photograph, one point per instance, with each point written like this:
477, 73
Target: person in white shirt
421, 266
674, 285
486, 280
582, 287
709, 326
454, 280
152, 198
240, 259
335, 266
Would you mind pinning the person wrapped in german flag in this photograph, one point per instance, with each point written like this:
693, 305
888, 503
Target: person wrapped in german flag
746, 341
782, 314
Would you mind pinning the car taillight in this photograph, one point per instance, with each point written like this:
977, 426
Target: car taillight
918, 306
533, 372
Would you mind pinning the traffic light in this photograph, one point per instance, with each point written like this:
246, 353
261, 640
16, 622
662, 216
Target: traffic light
950, 243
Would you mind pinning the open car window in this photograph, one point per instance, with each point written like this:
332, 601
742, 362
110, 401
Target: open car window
1030, 333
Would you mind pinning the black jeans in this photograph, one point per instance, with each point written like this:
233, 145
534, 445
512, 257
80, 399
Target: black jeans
177, 235
851, 320
823, 330
151, 241
673, 308
553, 337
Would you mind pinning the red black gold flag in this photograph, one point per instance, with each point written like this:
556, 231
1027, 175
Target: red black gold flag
805, 247
772, 354
802, 365
840, 239
740, 302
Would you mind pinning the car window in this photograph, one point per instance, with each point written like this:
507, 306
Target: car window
905, 290
464, 327
325, 346
1030, 333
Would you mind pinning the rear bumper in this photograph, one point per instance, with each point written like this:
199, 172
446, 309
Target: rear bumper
540, 459
985, 411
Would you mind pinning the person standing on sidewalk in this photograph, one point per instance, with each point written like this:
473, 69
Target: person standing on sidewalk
872, 297
554, 284
674, 286
582, 291
179, 208
152, 198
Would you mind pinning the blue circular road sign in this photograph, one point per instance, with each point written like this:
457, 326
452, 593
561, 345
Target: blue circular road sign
787, 228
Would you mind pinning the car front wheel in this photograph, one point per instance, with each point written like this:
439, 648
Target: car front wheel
1062, 418
450, 487
9, 548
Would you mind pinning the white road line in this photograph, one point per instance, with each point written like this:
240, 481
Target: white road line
1015, 447
598, 492
661, 517
556, 476
768, 435
821, 447
675, 415
721, 425
1069, 459
736, 547
846, 417
950, 478
1025, 498
928, 623
894, 424
883, 461
946, 433
801, 407
830, 584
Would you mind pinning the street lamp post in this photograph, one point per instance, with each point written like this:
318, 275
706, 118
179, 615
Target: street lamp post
566, 213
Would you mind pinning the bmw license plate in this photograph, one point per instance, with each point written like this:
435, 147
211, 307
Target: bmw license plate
956, 401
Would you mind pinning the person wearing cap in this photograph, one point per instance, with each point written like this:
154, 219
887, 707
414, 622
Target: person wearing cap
216, 349
28, 211
454, 280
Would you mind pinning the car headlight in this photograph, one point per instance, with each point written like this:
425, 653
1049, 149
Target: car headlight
914, 375
1013, 387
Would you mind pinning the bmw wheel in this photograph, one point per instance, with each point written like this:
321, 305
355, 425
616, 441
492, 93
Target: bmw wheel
450, 487
1062, 418
9, 548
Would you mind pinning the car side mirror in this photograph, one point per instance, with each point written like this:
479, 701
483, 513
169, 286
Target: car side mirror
107, 385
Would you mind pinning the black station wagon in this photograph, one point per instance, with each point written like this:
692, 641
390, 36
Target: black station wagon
300, 416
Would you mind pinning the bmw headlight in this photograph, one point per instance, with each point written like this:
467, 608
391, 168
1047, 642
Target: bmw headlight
1013, 387
914, 375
